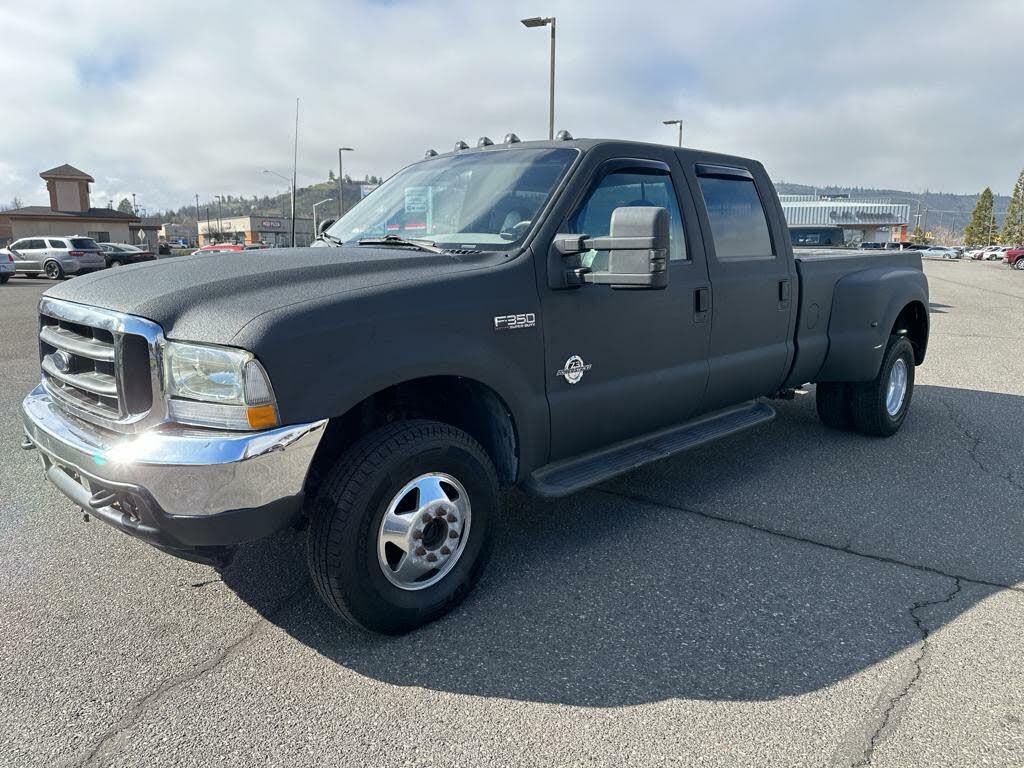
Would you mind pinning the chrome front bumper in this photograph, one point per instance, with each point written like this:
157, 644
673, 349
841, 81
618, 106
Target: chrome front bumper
174, 486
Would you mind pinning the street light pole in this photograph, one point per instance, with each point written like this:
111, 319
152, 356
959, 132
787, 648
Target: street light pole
341, 182
544, 21
328, 200
680, 124
197, 220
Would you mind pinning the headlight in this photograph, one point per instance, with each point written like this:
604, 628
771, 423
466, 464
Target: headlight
217, 387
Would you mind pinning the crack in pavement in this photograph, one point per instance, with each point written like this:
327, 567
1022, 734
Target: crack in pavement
904, 691
976, 441
814, 542
143, 703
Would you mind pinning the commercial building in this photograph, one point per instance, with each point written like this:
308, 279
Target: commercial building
256, 228
862, 219
70, 212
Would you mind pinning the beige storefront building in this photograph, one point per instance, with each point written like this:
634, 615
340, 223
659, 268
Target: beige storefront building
257, 228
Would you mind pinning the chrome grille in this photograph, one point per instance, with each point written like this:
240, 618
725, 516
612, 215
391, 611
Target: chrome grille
100, 365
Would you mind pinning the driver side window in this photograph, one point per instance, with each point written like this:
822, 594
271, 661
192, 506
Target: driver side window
627, 188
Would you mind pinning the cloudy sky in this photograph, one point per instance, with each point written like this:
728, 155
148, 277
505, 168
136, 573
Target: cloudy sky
169, 98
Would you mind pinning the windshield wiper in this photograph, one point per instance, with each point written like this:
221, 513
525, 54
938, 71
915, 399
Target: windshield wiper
423, 245
330, 238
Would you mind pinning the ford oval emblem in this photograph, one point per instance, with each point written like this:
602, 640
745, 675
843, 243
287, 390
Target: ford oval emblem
61, 361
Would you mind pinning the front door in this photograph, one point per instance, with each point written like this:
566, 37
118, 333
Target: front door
622, 363
29, 255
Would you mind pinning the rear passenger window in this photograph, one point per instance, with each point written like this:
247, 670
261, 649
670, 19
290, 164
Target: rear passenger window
57, 244
738, 222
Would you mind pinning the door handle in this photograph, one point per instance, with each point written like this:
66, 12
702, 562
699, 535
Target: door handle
784, 292
701, 304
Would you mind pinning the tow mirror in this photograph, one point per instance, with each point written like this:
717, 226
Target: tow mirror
636, 246
323, 225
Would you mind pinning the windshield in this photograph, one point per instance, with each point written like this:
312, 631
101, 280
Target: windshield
477, 201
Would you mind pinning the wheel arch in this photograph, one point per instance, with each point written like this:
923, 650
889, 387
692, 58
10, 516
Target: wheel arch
466, 403
867, 307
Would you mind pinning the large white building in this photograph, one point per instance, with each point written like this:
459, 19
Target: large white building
862, 219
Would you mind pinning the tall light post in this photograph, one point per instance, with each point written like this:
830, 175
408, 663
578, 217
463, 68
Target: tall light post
544, 21
341, 182
328, 200
680, 124
220, 216
295, 167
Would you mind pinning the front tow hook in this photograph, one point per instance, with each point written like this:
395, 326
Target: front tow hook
26, 444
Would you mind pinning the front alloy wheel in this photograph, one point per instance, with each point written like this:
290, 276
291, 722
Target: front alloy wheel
400, 529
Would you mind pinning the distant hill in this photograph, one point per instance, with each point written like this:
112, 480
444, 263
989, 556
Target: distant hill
939, 209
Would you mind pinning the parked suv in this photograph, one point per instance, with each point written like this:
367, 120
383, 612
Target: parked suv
56, 257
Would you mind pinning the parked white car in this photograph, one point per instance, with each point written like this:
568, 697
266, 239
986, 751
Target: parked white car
939, 252
56, 257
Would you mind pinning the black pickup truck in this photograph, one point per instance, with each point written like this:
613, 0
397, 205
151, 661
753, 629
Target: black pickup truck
547, 314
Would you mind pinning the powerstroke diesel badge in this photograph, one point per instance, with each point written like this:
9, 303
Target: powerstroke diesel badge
514, 322
574, 369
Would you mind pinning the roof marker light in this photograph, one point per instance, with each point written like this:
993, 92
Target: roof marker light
461, 145
483, 141
563, 136
430, 153
511, 138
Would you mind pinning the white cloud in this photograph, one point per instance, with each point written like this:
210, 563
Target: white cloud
167, 99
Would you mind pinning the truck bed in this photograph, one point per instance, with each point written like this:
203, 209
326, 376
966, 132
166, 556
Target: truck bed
820, 269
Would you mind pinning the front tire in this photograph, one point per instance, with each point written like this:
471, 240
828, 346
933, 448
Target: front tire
879, 406
1019, 263
114, 263
400, 529
4, 279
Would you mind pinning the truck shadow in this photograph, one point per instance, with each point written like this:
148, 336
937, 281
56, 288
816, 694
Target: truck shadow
634, 592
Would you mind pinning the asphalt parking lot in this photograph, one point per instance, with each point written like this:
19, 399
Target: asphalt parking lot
792, 596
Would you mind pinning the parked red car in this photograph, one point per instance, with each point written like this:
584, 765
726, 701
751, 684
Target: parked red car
223, 247
1015, 257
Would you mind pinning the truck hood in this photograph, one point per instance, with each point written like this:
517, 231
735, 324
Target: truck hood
210, 297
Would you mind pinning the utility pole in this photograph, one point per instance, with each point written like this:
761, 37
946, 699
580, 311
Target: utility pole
295, 166
207, 225
197, 220
134, 209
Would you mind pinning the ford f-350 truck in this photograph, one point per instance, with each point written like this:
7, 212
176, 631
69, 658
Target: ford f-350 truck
544, 314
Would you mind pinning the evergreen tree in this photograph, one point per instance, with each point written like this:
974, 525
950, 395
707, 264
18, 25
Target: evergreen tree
1013, 222
125, 206
979, 229
918, 235
330, 175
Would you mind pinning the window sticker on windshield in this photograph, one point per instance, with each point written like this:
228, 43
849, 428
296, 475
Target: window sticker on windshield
419, 209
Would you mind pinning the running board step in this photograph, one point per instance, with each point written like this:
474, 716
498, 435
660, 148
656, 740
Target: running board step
565, 477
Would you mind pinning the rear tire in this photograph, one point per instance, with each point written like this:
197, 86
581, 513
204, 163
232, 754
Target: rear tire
114, 263
4, 279
53, 270
832, 399
347, 548
879, 406
1019, 263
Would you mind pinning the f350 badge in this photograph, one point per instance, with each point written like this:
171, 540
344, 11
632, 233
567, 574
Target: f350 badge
574, 369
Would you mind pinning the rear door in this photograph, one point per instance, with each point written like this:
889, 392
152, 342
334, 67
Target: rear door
753, 281
622, 363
